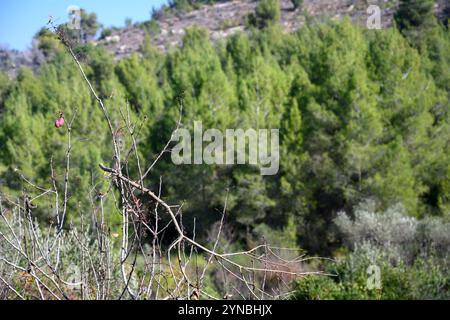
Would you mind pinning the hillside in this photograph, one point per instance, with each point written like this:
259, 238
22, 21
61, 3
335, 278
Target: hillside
227, 18
221, 20
268, 165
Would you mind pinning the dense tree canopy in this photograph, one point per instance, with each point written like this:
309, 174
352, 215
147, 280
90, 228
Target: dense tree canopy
362, 115
364, 126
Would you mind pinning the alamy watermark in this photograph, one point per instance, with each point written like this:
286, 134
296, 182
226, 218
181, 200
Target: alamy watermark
229, 148
374, 20
74, 13
374, 277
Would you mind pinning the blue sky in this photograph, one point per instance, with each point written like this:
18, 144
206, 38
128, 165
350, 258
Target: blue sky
21, 19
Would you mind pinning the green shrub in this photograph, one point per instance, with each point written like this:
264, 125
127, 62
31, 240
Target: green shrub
267, 13
316, 288
425, 279
398, 234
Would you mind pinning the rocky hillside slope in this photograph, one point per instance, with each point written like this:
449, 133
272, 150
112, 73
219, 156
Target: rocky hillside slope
224, 19
221, 20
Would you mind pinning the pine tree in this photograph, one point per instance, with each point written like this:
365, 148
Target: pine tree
414, 17
267, 13
414, 13
294, 193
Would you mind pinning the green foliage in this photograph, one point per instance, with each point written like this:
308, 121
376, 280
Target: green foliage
414, 13
188, 5
444, 194
105, 33
87, 31
414, 18
181, 5
30, 143
362, 115
151, 27
446, 14
89, 25
267, 13
425, 279
316, 288
284, 238
411, 256
402, 237
5, 84
48, 43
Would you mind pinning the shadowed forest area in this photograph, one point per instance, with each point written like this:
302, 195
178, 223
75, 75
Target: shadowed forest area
360, 206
